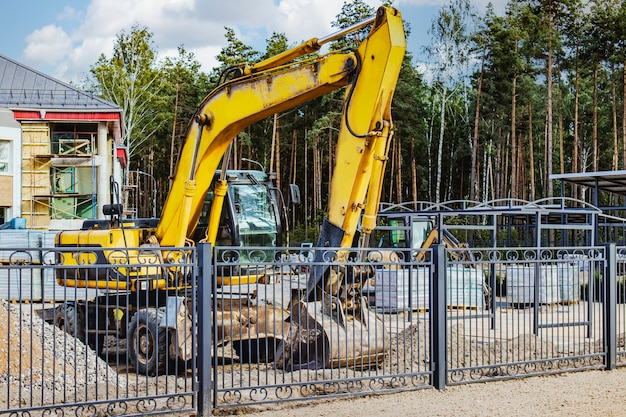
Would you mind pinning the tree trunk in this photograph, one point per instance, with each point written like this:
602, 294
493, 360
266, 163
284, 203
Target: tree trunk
306, 188
399, 198
429, 148
514, 178
560, 107
595, 118
273, 146
293, 167
442, 126
173, 144
504, 188
330, 157
615, 164
413, 175
294, 157
576, 117
277, 156
474, 169
624, 113
317, 177
518, 165
549, 140
531, 153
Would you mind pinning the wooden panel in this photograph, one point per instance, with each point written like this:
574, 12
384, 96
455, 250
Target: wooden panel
35, 174
35, 139
6, 190
36, 213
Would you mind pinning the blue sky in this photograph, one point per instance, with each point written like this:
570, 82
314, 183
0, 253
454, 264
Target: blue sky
62, 38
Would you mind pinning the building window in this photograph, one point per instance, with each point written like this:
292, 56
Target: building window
73, 208
74, 139
64, 180
5, 151
73, 193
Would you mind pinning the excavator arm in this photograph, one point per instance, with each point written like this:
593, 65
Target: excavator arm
278, 84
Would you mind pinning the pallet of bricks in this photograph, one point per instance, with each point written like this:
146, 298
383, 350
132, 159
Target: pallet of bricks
404, 289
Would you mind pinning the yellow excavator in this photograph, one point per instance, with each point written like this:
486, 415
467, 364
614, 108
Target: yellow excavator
254, 92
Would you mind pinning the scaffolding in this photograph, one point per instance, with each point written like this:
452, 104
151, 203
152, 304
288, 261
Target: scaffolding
58, 174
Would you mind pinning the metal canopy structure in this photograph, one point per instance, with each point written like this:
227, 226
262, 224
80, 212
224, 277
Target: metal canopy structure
506, 222
609, 181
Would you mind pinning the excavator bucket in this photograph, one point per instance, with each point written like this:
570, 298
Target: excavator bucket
322, 335
253, 331
307, 335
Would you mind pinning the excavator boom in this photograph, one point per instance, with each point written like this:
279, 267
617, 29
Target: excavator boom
370, 74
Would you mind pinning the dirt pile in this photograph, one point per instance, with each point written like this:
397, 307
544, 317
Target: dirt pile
43, 365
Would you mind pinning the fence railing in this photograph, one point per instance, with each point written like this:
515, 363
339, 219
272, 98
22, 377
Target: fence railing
279, 337
545, 312
76, 340
139, 331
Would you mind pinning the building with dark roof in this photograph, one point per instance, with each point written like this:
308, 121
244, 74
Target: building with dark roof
59, 149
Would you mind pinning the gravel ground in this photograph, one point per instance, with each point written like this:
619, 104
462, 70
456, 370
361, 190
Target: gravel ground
41, 358
588, 393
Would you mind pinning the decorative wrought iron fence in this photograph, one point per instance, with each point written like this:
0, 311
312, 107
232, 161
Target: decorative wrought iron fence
136, 331
89, 332
544, 312
279, 337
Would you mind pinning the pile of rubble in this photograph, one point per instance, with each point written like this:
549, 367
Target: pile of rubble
40, 364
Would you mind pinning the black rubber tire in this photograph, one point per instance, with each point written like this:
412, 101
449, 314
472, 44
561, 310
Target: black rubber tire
70, 319
147, 343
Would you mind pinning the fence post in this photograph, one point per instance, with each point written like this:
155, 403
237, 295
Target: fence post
610, 306
439, 362
204, 324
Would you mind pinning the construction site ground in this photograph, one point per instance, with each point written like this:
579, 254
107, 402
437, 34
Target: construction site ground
586, 393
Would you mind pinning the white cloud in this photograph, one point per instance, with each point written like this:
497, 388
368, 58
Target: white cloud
47, 45
193, 23
301, 20
73, 42
304, 19
69, 14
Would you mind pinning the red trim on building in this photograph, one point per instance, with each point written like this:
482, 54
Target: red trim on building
52, 116
122, 156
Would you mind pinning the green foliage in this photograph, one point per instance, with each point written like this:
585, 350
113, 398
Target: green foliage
352, 12
235, 51
596, 290
300, 235
463, 104
132, 79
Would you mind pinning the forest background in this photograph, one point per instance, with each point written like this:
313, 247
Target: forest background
503, 103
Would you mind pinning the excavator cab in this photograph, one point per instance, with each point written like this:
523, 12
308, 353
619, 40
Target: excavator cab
401, 236
251, 215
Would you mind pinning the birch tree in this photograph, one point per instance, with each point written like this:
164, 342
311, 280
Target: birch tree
450, 53
131, 79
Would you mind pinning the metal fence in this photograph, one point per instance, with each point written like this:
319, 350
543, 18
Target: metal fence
545, 313
277, 338
385, 321
74, 339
